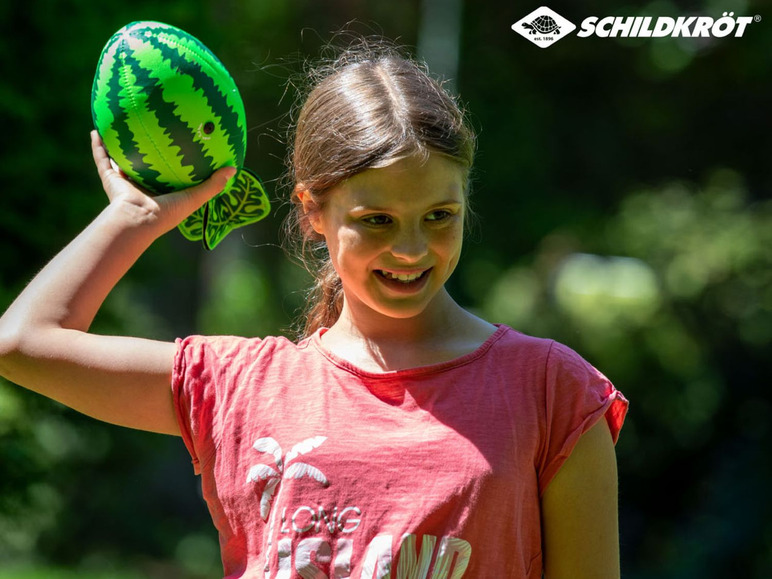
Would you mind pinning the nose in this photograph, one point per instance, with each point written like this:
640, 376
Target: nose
410, 243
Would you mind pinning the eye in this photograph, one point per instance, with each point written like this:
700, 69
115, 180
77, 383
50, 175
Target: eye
208, 127
438, 215
377, 219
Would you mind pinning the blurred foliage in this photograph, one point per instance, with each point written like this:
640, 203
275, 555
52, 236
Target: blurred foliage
683, 324
623, 197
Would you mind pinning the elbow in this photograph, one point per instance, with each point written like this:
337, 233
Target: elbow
12, 340
9, 349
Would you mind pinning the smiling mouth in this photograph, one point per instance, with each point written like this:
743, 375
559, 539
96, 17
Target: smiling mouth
405, 278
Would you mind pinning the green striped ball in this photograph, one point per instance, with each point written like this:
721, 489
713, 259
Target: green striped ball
169, 115
167, 109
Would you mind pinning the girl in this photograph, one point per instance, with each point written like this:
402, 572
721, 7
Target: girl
402, 436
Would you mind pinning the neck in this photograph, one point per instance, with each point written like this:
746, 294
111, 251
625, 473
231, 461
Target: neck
371, 341
438, 318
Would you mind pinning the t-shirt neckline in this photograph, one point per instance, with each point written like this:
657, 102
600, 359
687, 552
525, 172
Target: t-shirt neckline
482, 349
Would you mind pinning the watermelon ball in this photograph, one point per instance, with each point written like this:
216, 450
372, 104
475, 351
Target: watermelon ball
169, 115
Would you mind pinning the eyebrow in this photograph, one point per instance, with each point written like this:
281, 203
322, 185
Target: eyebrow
446, 203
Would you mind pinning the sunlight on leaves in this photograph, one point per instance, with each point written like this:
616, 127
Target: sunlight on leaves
605, 291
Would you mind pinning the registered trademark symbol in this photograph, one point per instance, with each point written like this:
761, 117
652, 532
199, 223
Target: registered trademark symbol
757, 18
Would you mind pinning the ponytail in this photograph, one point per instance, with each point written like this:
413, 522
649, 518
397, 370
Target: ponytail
325, 300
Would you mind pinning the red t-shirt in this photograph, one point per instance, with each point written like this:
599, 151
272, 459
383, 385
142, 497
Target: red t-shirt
314, 468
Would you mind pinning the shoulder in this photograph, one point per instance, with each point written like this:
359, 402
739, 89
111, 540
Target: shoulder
516, 351
570, 379
228, 353
555, 358
568, 385
550, 351
230, 346
512, 341
566, 359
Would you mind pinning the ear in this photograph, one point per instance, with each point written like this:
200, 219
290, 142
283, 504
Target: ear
310, 207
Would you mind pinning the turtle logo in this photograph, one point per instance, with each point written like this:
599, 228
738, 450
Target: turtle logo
543, 27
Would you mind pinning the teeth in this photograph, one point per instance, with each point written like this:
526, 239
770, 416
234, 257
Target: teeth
403, 277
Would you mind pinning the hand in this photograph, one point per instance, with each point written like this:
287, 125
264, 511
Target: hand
163, 211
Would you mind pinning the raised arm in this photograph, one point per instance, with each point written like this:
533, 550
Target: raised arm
44, 341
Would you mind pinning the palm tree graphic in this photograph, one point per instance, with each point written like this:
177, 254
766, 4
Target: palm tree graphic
285, 468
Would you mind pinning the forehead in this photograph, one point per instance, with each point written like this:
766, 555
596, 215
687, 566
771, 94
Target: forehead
414, 180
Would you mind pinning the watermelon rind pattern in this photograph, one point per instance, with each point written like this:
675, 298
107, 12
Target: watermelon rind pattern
214, 87
169, 115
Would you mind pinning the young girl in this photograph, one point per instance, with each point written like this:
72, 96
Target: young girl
402, 436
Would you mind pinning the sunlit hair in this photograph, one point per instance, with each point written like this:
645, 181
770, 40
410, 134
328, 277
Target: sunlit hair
368, 107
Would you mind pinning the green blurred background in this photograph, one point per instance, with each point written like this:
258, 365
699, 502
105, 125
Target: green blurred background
623, 197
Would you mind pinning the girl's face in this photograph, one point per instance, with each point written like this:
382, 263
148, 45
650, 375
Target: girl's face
394, 234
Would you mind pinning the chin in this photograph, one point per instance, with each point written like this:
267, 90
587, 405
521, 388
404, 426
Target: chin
403, 314
404, 311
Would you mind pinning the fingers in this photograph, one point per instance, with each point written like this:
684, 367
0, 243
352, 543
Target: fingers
190, 199
212, 186
109, 173
176, 206
104, 164
101, 159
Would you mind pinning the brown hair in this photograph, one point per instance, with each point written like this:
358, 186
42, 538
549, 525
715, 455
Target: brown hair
367, 108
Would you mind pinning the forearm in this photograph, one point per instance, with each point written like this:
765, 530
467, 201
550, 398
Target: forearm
44, 341
68, 292
71, 288
44, 344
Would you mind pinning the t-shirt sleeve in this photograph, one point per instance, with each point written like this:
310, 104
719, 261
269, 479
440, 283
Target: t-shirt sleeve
577, 396
205, 369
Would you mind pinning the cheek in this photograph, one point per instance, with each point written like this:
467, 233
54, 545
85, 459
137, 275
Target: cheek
448, 248
449, 241
350, 246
